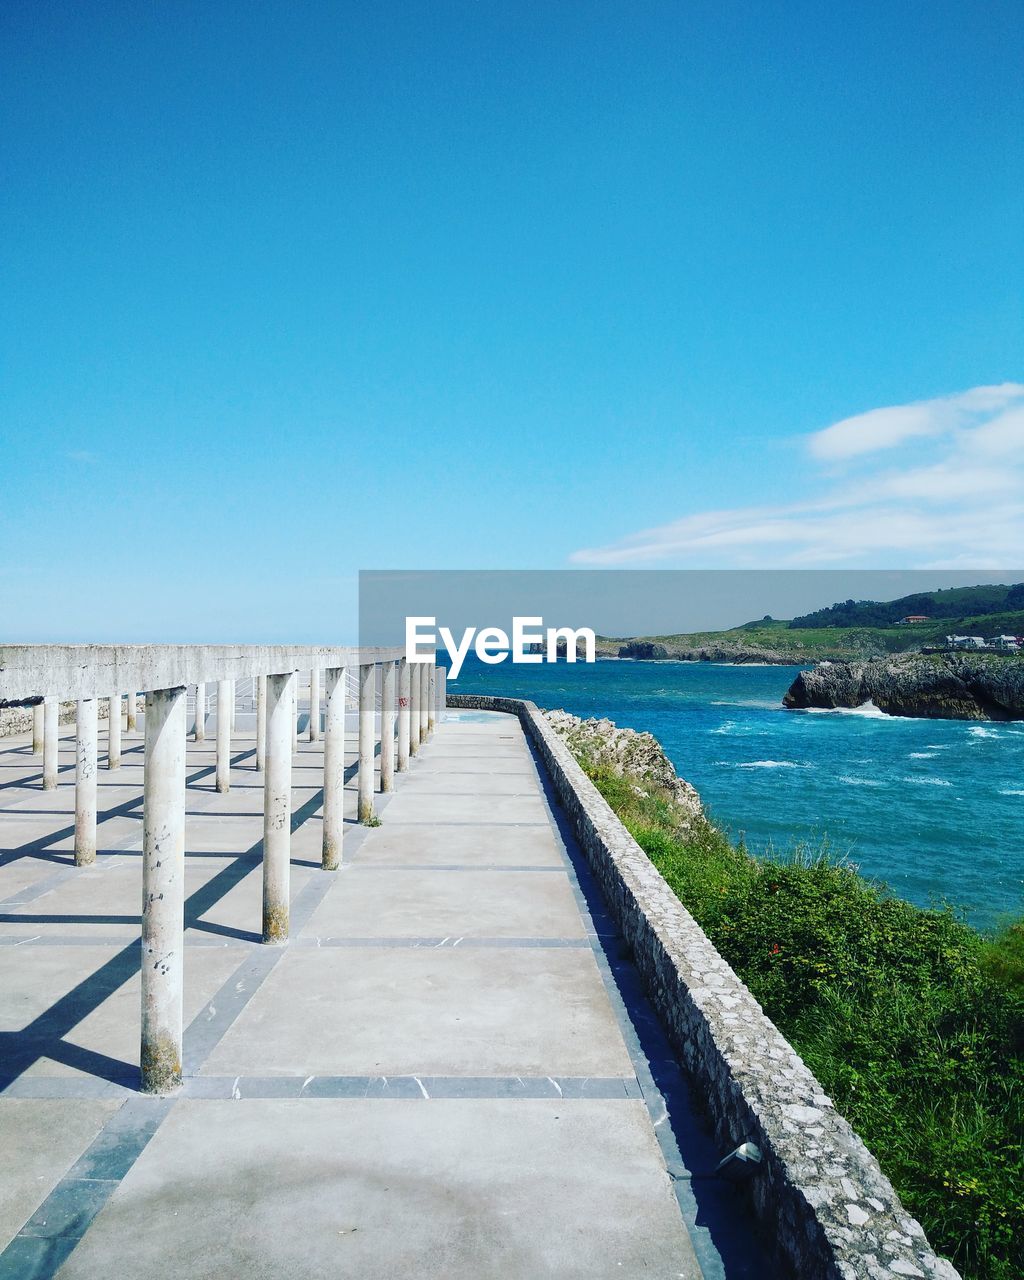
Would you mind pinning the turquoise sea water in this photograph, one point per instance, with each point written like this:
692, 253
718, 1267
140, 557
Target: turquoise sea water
933, 807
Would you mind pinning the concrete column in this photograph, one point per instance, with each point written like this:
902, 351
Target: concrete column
51, 742
277, 805
367, 689
387, 726
441, 701
85, 783
404, 686
37, 729
295, 714
314, 705
114, 732
415, 688
223, 735
334, 767
163, 890
424, 700
432, 700
231, 704
200, 724
261, 722
131, 724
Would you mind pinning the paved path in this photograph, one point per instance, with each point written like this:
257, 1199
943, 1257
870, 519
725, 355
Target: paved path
448, 1072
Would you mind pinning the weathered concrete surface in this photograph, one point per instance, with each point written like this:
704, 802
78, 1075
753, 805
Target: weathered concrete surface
434, 1076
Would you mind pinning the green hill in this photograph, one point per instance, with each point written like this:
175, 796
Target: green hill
952, 603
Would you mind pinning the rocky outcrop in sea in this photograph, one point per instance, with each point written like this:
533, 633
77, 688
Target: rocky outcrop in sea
947, 686
638, 756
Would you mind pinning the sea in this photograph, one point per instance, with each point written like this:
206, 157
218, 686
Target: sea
934, 808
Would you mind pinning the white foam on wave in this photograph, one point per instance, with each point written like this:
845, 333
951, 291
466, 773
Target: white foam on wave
1011, 792
762, 764
921, 755
929, 782
726, 726
979, 731
861, 782
866, 709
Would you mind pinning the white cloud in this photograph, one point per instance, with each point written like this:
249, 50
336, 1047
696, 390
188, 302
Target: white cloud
886, 428
963, 505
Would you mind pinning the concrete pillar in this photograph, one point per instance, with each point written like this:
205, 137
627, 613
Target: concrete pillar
424, 700
114, 732
277, 805
51, 742
367, 688
199, 728
131, 724
387, 726
334, 767
231, 704
404, 684
163, 890
295, 714
441, 701
85, 783
415, 688
37, 729
314, 705
223, 735
432, 700
261, 722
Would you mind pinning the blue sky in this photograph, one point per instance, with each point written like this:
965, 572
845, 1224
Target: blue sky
292, 290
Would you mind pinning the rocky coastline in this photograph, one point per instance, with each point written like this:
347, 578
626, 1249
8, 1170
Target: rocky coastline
947, 686
636, 756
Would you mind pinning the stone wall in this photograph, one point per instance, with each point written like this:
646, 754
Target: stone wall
824, 1201
17, 717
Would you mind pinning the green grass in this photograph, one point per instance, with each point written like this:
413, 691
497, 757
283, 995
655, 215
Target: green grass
808, 644
912, 1020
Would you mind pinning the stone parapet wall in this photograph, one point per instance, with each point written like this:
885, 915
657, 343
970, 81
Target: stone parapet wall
17, 717
823, 1200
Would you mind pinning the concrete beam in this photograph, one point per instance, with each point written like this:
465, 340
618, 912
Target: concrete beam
334, 769
85, 783
163, 890
74, 672
277, 806
367, 715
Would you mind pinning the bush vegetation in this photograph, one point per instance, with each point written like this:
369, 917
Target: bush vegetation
912, 1020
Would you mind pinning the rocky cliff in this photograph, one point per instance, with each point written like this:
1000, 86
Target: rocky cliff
947, 686
638, 756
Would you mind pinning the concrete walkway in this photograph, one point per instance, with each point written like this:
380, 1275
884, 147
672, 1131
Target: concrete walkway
449, 1071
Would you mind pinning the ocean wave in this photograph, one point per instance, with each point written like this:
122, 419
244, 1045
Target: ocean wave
866, 709
921, 755
861, 782
1011, 792
929, 782
762, 764
979, 731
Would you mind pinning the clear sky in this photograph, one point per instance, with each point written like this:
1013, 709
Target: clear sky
294, 289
